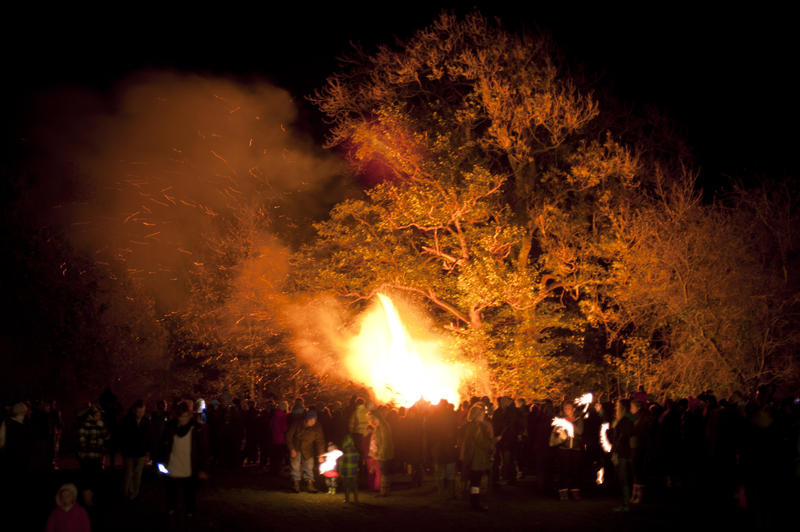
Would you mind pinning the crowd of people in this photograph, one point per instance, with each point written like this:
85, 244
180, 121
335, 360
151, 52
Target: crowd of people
740, 451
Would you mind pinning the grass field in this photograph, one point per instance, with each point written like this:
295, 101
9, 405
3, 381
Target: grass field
252, 500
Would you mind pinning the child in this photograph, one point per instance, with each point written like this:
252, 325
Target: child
328, 467
68, 516
348, 469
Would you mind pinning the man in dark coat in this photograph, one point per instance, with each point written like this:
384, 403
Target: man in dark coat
305, 441
135, 438
507, 425
442, 437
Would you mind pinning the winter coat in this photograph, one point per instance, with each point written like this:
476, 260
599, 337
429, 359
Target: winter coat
478, 446
348, 462
621, 437
442, 436
93, 439
384, 444
358, 421
135, 438
200, 447
279, 424
308, 441
507, 424
74, 520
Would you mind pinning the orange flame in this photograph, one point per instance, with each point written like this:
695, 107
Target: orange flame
399, 368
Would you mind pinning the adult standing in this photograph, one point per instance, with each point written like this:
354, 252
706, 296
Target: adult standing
621, 433
381, 448
184, 452
442, 435
476, 452
135, 443
279, 424
569, 447
305, 441
93, 438
15, 448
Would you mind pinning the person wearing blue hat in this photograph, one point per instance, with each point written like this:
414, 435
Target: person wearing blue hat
306, 441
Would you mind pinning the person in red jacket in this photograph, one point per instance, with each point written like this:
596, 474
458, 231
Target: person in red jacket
68, 515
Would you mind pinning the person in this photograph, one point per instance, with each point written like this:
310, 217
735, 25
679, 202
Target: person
184, 452
381, 448
476, 452
348, 468
329, 467
622, 431
358, 428
135, 440
68, 515
638, 448
305, 441
15, 448
442, 433
93, 438
279, 424
568, 447
506, 423
159, 420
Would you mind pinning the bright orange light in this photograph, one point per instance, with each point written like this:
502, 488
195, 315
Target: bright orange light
399, 368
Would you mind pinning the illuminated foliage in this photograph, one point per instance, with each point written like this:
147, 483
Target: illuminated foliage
486, 181
529, 231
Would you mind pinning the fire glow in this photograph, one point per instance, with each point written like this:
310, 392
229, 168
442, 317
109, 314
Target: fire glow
398, 368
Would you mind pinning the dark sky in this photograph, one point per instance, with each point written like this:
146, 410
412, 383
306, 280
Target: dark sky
723, 77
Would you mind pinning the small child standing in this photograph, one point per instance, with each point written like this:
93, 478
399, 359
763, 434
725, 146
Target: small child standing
348, 468
328, 467
68, 516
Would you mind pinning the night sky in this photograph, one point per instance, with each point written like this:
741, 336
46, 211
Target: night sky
723, 77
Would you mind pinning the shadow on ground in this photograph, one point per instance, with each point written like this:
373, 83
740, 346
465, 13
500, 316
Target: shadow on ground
252, 500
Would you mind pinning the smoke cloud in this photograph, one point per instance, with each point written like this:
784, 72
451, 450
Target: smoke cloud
175, 172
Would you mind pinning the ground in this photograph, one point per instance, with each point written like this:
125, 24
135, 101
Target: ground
253, 500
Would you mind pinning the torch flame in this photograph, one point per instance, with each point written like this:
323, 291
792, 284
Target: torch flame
604, 438
565, 425
585, 399
329, 461
600, 476
399, 368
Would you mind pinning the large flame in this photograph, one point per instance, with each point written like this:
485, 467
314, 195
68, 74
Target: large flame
399, 368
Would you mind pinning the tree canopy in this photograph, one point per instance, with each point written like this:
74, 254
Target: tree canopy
526, 228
